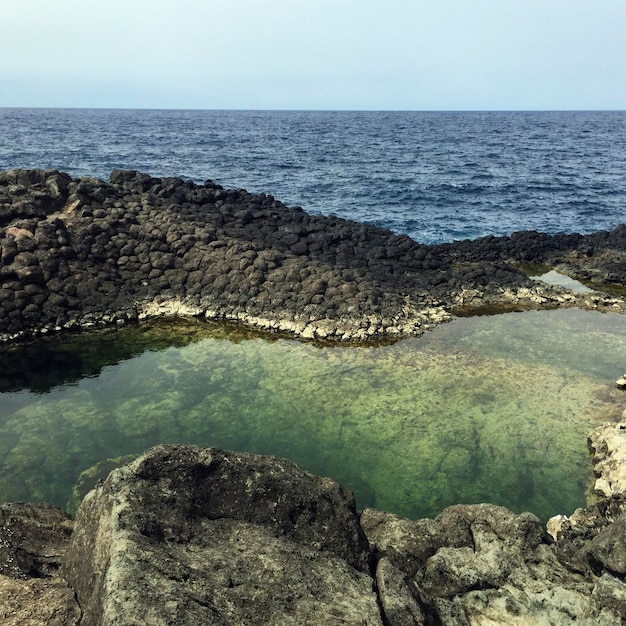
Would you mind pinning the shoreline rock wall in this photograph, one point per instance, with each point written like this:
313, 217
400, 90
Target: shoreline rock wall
203, 536
75, 253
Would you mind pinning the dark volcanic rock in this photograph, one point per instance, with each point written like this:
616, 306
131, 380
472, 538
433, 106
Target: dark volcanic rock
91, 251
598, 258
139, 245
33, 539
81, 252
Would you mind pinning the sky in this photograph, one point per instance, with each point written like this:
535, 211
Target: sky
314, 54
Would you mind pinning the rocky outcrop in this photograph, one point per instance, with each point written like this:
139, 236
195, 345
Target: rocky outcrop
482, 564
185, 535
75, 253
33, 541
598, 258
608, 447
202, 536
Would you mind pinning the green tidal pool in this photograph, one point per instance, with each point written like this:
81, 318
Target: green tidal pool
483, 409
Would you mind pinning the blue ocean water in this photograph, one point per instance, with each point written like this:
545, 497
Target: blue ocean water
436, 176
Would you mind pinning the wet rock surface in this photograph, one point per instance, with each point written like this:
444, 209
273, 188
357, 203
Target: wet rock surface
78, 252
203, 536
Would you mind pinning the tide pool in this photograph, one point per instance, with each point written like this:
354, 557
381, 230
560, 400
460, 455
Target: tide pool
483, 409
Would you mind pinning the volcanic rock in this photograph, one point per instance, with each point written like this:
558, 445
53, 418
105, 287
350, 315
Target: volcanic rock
79, 252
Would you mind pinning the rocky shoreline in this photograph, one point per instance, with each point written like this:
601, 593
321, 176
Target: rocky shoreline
82, 252
186, 535
203, 536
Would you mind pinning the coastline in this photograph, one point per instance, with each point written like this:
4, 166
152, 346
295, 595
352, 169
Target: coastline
81, 253
84, 252
205, 536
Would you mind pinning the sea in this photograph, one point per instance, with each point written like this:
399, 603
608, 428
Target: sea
482, 409
435, 176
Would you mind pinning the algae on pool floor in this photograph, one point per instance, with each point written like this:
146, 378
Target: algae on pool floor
483, 409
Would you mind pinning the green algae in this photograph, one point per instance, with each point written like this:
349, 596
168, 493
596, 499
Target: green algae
89, 478
482, 409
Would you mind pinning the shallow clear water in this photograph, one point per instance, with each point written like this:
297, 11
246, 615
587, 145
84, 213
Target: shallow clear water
482, 409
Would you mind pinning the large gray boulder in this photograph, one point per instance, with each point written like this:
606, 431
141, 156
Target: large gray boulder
201, 536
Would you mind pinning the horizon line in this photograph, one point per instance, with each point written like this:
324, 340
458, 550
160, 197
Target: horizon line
307, 110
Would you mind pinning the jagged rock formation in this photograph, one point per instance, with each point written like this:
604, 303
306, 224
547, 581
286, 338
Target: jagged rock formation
190, 536
33, 541
79, 252
597, 258
608, 445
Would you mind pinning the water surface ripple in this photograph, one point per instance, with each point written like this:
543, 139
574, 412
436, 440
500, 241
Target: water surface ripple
434, 176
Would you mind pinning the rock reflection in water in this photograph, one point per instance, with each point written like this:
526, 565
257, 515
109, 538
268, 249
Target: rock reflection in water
483, 409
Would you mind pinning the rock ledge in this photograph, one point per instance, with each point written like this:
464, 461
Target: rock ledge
186, 535
76, 253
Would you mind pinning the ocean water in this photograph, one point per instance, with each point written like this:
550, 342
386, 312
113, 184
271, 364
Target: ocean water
482, 409
436, 176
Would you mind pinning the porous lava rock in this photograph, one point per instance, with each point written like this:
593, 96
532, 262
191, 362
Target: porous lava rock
79, 252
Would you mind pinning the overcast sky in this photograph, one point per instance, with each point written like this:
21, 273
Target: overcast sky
314, 54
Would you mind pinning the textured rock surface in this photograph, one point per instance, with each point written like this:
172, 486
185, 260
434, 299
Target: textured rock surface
202, 536
482, 564
608, 449
83, 252
37, 602
194, 536
596, 258
33, 540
